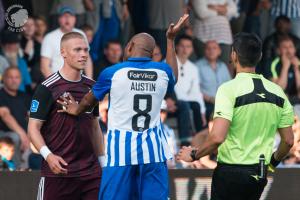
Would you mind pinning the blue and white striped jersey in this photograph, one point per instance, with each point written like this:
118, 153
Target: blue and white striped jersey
289, 8
136, 89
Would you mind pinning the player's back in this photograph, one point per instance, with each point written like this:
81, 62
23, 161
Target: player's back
259, 109
136, 89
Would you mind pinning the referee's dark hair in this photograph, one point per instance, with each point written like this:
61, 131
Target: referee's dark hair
248, 47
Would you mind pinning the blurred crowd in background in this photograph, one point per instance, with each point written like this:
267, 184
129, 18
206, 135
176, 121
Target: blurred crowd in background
203, 55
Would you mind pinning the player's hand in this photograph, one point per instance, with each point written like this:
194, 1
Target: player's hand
175, 28
56, 164
185, 154
69, 105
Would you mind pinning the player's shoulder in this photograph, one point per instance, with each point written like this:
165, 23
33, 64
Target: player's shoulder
51, 80
273, 87
88, 80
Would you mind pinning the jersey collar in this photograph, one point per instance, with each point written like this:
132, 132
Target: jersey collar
139, 59
244, 74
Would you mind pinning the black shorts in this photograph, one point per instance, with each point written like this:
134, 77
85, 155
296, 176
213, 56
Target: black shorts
236, 182
69, 188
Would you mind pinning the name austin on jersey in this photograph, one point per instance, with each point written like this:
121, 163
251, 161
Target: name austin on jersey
137, 76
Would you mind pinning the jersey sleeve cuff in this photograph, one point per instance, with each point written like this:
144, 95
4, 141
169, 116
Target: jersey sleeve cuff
223, 116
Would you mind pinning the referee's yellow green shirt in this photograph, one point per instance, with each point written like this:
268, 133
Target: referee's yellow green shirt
256, 108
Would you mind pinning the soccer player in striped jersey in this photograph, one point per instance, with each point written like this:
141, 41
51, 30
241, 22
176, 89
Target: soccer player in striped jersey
70, 145
137, 148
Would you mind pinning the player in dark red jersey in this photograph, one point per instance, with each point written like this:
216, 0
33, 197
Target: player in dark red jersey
70, 145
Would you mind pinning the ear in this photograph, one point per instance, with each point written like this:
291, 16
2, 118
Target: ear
130, 46
234, 56
63, 52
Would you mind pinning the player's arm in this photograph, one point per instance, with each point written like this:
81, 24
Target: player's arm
40, 107
286, 135
97, 141
171, 34
286, 143
71, 107
216, 137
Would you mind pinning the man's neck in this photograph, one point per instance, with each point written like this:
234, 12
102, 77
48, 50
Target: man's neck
182, 60
10, 92
212, 63
65, 30
70, 73
240, 69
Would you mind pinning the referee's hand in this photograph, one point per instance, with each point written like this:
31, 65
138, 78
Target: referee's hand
55, 163
185, 154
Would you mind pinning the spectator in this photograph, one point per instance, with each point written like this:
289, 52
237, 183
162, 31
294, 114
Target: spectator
112, 55
31, 50
289, 8
3, 65
169, 133
213, 73
77, 6
187, 88
7, 150
284, 69
282, 27
89, 32
211, 23
41, 28
51, 59
111, 16
18, 104
10, 50
161, 14
157, 56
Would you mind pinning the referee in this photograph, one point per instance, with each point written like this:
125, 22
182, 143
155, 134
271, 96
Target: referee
248, 111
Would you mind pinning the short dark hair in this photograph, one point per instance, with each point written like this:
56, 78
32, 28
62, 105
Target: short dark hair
6, 141
182, 37
113, 41
87, 27
248, 47
281, 18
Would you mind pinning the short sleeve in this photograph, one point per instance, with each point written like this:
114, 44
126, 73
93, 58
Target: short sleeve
287, 115
103, 84
46, 48
41, 103
224, 103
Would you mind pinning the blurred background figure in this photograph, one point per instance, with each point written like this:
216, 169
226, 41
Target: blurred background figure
31, 50
41, 28
213, 73
11, 50
187, 88
7, 150
284, 69
18, 103
112, 54
211, 22
170, 135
